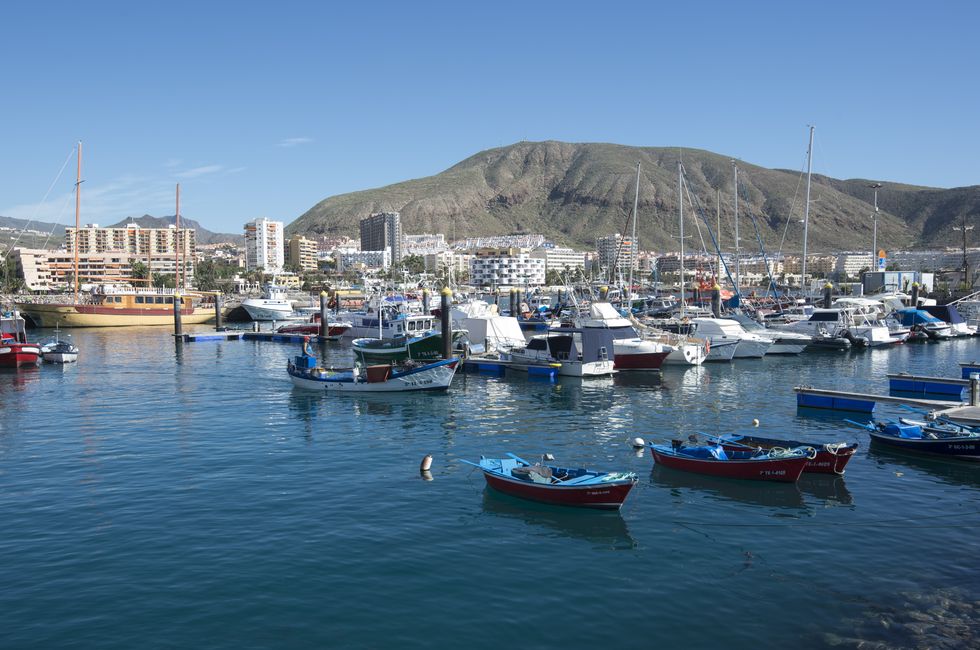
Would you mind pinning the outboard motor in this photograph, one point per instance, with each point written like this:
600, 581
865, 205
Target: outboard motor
856, 341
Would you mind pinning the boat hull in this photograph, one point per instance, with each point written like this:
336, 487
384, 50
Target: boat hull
16, 355
631, 360
958, 448
601, 497
60, 357
64, 315
267, 312
334, 330
781, 470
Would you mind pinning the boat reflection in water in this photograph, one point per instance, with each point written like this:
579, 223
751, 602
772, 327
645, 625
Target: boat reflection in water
826, 487
760, 493
642, 379
951, 472
604, 529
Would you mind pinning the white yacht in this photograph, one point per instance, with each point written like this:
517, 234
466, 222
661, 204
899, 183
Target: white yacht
783, 342
750, 346
273, 305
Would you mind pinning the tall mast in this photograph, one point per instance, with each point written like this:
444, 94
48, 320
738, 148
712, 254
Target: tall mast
680, 205
633, 245
718, 230
738, 279
149, 258
177, 283
806, 206
78, 209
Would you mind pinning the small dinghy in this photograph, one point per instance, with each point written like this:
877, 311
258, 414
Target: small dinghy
831, 458
777, 464
59, 352
555, 485
960, 443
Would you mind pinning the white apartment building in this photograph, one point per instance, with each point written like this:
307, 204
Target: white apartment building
559, 259
441, 261
358, 260
513, 267
502, 241
424, 244
45, 270
156, 246
264, 245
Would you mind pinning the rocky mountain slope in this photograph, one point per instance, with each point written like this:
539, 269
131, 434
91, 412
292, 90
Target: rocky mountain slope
574, 192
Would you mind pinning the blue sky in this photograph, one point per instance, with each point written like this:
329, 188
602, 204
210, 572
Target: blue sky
263, 109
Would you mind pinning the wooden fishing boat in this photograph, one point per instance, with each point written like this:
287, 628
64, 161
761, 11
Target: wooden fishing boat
783, 465
555, 485
304, 373
831, 458
961, 445
424, 346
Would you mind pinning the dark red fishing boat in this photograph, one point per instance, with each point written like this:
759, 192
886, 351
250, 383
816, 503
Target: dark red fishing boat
831, 458
777, 465
555, 485
335, 330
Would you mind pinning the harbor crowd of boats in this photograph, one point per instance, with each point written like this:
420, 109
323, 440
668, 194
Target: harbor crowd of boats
405, 342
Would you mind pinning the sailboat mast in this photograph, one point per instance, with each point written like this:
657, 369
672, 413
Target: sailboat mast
806, 206
718, 230
177, 283
634, 248
738, 252
78, 210
680, 205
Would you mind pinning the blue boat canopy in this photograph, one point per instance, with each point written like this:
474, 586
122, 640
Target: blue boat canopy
910, 317
946, 313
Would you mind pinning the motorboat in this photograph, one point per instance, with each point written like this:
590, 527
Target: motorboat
273, 305
15, 350
783, 342
718, 330
58, 350
631, 351
580, 352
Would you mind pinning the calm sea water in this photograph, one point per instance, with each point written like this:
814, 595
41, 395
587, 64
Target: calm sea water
195, 499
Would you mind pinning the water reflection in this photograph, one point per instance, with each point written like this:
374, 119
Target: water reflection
605, 529
951, 472
826, 487
760, 493
652, 380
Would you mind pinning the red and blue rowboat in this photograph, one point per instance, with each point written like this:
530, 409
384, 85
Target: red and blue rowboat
560, 486
831, 458
783, 465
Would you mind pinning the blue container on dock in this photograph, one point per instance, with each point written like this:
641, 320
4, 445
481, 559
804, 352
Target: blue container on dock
913, 387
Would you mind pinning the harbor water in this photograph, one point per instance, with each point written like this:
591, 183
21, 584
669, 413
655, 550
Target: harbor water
191, 497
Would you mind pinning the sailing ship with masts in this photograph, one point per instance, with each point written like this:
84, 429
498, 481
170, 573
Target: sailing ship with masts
114, 306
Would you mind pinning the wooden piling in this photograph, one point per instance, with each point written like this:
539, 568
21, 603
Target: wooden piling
178, 326
324, 327
447, 329
218, 322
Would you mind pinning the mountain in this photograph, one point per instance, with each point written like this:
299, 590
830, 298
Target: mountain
574, 192
204, 236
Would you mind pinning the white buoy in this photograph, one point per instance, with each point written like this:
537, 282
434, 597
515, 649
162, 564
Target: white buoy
638, 442
548, 457
426, 463
755, 422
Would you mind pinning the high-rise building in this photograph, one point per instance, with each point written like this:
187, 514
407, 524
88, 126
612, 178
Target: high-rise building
616, 251
264, 248
302, 253
514, 267
383, 230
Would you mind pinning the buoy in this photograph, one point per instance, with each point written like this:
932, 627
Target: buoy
638, 442
548, 457
755, 422
426, 463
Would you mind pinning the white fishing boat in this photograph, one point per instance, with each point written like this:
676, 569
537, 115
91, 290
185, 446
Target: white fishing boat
57, 350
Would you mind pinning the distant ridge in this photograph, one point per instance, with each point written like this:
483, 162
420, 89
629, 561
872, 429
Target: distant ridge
574, 192
57, 230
